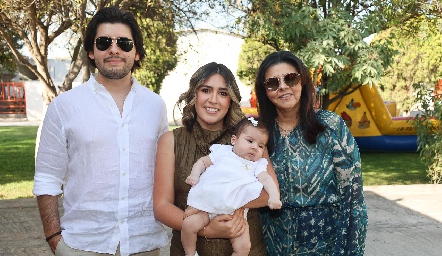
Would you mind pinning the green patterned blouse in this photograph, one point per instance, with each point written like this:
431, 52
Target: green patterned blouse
324, 211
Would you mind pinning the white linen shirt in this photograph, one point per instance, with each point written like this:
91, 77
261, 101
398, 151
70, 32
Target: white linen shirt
103, 163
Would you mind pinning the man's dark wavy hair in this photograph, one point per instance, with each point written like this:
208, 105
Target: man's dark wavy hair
114, 15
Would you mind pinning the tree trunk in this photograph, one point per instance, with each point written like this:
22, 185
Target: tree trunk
76, 66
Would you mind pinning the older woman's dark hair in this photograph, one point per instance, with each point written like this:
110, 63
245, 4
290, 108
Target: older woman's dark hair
187, 100
114, 15
311, 127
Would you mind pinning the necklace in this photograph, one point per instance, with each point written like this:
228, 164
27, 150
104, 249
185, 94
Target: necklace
284, 131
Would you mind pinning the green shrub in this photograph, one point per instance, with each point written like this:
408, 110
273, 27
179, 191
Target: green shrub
429, 131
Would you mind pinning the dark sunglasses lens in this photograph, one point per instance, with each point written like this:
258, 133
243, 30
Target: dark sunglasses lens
103, 43
291, 79
272, 84
125, 44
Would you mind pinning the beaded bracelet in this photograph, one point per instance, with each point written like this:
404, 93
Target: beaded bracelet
204, 233
52, 236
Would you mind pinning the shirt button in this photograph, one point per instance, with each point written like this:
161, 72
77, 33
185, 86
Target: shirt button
122, 221
124, 174
122, 198
124, 149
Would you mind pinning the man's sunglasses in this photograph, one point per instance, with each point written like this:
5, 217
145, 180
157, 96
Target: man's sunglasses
290, 79
103, 43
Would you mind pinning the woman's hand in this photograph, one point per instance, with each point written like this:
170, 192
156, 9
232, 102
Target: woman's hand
226, 226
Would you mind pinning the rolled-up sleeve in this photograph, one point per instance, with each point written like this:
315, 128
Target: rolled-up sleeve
52, 157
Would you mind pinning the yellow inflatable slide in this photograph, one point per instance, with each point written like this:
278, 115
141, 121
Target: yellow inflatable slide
374, 123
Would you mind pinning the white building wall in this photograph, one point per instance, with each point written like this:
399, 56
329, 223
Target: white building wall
35, 108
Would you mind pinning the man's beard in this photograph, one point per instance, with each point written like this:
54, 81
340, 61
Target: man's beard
115, 73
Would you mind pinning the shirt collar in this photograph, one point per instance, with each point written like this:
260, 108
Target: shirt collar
97, 87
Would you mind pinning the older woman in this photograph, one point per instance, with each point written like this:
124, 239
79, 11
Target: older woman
317, 163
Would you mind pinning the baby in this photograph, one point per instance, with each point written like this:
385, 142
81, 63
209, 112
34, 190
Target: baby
231, 177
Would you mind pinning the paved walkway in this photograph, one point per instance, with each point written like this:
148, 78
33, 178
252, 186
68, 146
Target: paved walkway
18, 122
404, 220
21, 230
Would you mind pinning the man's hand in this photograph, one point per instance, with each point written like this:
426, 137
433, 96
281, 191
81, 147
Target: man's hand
54, 242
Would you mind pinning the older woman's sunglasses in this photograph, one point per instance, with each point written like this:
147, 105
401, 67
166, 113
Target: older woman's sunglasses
103, 43
290, 79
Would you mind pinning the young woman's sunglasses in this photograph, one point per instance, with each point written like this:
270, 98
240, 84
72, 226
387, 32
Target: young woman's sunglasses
290, 79
103, 43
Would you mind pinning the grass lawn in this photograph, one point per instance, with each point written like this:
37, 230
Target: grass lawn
393, 169
17, 147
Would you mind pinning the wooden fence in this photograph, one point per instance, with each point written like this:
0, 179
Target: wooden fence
12, 98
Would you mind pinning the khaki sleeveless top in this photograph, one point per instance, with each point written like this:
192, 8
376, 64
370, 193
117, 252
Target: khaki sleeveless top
189, 147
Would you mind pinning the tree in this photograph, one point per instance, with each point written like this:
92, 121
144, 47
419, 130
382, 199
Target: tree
329, 37
396, 13
158, 25
429, 130
417, 61
250, 58
7, 59
39, 23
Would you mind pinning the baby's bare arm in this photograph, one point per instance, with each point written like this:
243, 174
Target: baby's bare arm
272, 190
198, 168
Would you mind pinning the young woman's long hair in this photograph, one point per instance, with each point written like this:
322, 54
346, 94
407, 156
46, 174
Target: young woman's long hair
311, 127
187, 100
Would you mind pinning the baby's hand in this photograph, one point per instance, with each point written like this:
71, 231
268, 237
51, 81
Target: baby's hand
275, 203
192, 180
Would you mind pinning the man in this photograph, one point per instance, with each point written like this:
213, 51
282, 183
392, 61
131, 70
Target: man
97, 147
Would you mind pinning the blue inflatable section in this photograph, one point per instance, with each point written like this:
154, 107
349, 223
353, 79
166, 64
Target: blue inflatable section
387, 143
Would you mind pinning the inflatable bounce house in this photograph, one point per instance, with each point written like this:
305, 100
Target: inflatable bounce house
374, 122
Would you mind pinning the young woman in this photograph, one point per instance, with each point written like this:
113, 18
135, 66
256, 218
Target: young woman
210, 108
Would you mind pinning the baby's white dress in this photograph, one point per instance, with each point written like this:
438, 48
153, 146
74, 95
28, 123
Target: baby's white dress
228, 184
